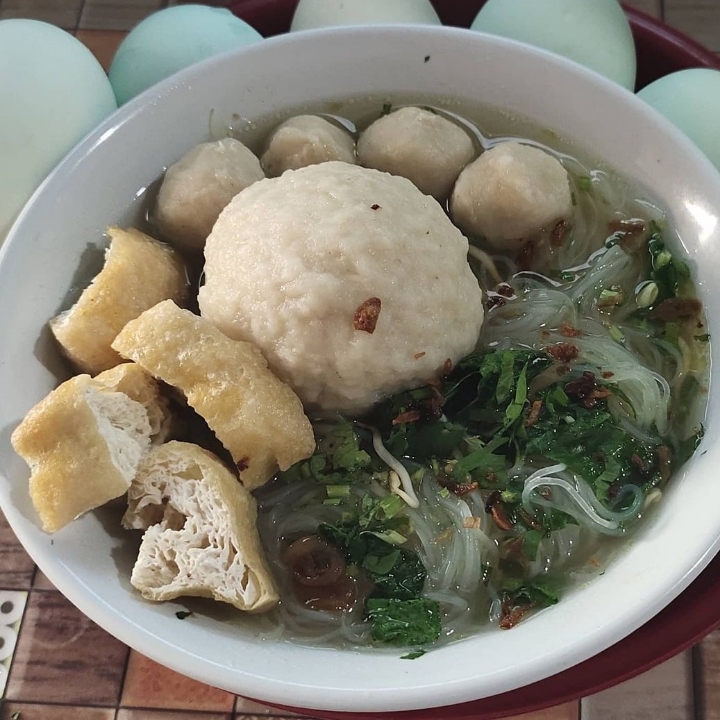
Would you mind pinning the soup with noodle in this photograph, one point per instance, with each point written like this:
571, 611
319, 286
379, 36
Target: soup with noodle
485, 494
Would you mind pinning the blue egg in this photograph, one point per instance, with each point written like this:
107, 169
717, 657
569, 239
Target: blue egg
594, 33
172, 39
691, 100
52, 92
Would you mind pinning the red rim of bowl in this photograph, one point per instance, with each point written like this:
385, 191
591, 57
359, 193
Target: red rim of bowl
660, 50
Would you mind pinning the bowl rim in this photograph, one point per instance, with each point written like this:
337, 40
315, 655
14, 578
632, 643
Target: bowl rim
285, 691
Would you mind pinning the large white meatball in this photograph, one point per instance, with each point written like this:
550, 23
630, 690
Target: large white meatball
306, 140
510, 194
353, 283
426, 148
199, 185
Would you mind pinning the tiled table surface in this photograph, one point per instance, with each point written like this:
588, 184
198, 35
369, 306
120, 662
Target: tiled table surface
55, 664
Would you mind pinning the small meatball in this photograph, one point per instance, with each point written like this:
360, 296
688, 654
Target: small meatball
426, 148
306, 140
199, 185
510, 194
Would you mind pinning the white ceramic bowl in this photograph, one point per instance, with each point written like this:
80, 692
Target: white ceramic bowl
99, 183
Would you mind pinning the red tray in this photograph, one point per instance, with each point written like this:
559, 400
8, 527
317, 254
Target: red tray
660, 51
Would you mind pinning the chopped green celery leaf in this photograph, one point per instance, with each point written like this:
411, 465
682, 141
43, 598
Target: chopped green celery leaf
593, 446
479, 462
338, 460
531, 542
380, 564
393, 537
540, 592
515, 408
434, 440
506, 381
414, 655
345, 453
404, 580
549, 520
555, 398
396, 572
404, 622
480, 388
668, 272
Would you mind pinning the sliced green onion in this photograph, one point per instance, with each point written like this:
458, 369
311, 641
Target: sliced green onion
648, 294
337, 491
616, 333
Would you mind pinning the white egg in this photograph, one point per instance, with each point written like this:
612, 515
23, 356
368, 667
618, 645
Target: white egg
594, 33
172, 39
311, 14
691, 100
52, 92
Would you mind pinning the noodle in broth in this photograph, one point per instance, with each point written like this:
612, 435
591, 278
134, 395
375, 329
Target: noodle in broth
575, 338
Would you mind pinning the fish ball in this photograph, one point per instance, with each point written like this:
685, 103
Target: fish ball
510, 194
352, 283
422, 146
199, 185
306, 140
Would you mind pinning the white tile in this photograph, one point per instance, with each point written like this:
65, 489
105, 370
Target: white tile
12, 607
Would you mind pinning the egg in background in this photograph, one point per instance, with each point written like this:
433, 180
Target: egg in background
311, 14
594, 33
172, 39
691, 100
52, 93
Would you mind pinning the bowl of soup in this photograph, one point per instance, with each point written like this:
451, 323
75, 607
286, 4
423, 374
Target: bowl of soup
505, 375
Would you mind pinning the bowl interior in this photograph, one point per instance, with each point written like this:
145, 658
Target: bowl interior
103, 181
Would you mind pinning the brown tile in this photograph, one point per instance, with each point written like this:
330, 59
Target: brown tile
16, 567
102, 43
41, 581
149, 685
708, 670
650, 7
31, 711
63, 13
116, 14
131, 714
62, 656
567, 711
241, 716
700, 19
245, 707
663, 693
